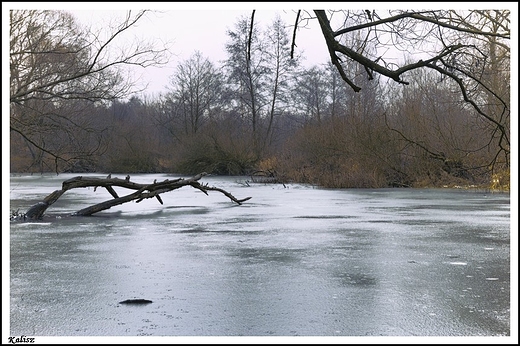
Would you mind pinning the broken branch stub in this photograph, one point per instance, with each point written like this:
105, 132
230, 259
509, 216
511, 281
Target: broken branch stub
142, 191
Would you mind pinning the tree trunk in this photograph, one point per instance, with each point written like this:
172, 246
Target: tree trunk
142, 191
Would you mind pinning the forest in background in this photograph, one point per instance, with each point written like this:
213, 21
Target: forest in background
261, 110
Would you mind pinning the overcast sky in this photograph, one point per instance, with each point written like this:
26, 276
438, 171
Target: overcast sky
202, 30
192, 26
202, 26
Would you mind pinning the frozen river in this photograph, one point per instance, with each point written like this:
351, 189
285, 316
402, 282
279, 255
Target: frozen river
292, 261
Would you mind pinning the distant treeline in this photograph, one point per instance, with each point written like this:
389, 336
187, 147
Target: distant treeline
407, 138
258, 111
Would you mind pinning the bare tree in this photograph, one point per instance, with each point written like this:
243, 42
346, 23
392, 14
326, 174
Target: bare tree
196, 88
311, 93
338, 92
53, 62
279, 73
246, 70
445, 41
439, 133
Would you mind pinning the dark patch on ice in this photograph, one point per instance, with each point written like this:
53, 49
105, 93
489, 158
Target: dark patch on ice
136, 302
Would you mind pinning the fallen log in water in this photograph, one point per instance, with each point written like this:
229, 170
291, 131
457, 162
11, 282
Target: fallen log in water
142, 191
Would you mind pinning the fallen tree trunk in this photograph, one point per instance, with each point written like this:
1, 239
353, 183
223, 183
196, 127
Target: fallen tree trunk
142, 191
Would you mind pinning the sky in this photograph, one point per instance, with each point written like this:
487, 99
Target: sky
188, 30
189, 27
201, 26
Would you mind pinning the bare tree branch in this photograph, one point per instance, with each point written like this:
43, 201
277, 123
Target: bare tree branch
445, 61
250, 35
293, 44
